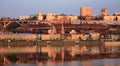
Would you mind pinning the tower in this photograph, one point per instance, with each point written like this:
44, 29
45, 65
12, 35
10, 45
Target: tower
104, 12
86, 11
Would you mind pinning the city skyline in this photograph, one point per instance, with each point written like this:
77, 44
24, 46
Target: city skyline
16, 8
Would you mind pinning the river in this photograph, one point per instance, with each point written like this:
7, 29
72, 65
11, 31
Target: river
98, 62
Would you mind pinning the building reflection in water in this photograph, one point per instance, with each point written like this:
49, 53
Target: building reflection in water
87, 63
106, 62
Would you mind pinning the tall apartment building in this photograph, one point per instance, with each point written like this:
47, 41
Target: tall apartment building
86, 11
104, 12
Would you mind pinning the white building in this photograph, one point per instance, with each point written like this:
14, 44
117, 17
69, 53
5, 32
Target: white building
24, 17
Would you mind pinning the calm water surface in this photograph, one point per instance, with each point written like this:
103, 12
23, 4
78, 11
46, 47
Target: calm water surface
101, 62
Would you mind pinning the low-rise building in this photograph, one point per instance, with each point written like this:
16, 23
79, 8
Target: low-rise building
72, 18
116, 14
118, 18
57, 17
104, 12
40, 17
109, 18
50, 37
51, 17
24, 17
67, 18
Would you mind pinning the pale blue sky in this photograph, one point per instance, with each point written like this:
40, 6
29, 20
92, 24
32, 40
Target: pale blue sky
15, 8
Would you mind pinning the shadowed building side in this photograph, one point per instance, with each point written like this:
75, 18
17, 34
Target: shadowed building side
34, 27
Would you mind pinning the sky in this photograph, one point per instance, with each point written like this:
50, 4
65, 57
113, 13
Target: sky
16, 8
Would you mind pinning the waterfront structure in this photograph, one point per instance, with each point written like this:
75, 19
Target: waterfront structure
104, 12
90, 36
34, 27
23, 36
86, 11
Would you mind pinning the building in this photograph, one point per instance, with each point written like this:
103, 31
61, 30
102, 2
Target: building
55, 17
73, 18
116, 14
109, 18
86, 11
51, 16
104, 12
34, 27
118, 18
59, 18
67, 18
24, 17
41, 16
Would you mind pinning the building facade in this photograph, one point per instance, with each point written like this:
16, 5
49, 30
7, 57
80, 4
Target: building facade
116, 14
86, 11
57, 17
118, 18
40, 16
111, 18
104, 12
24, 17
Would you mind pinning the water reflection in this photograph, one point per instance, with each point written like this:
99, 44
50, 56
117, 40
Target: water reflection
75, 55
104, 62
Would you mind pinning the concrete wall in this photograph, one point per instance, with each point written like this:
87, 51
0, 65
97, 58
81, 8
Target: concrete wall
30, 36
78, 36
50, 36
94, 36
45, 37
18, 36
75, 36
